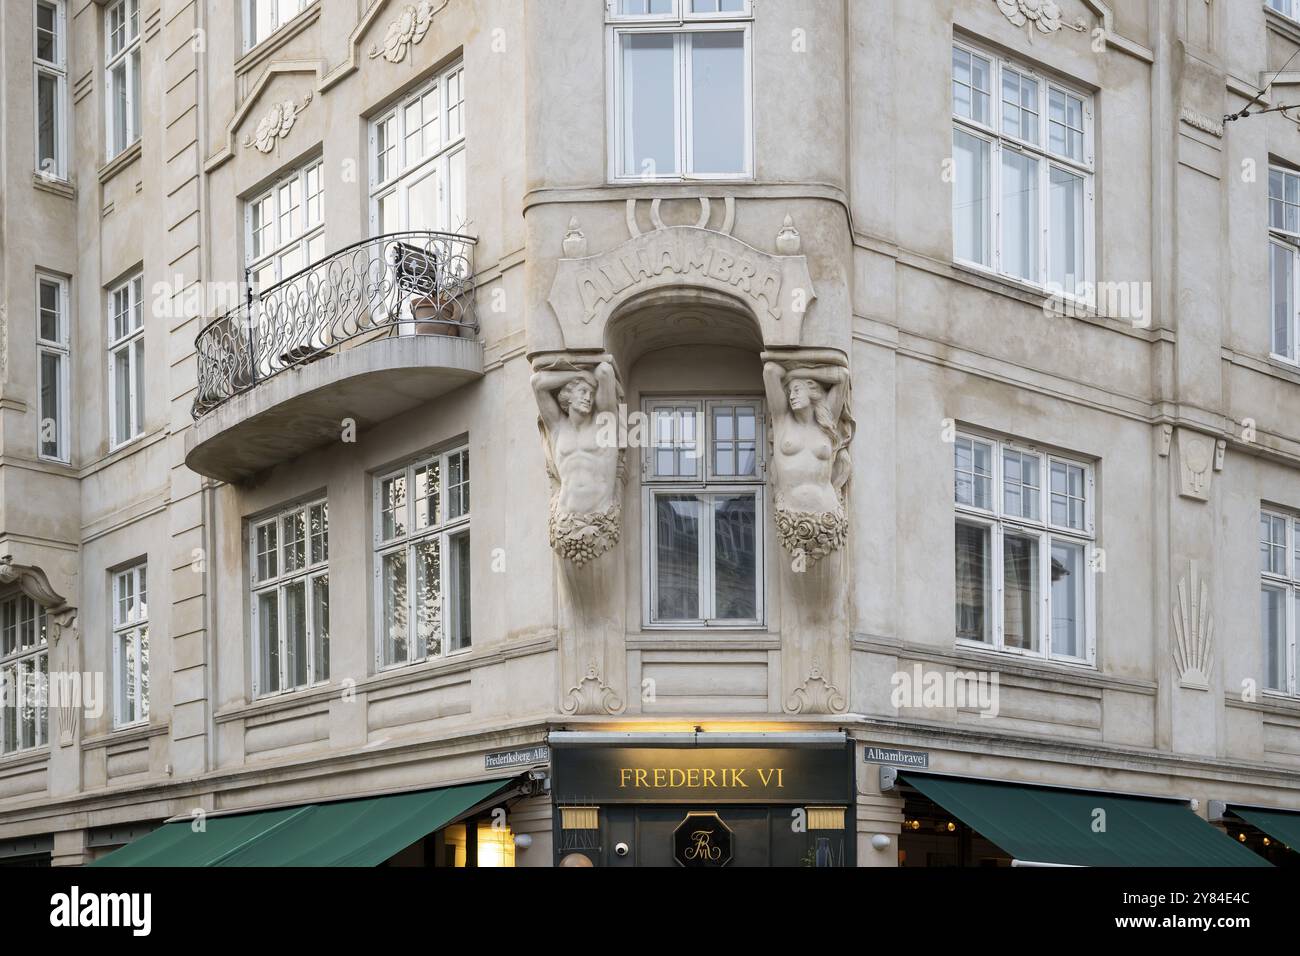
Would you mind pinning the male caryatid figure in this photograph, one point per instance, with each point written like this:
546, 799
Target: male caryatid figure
582, 462
811, 430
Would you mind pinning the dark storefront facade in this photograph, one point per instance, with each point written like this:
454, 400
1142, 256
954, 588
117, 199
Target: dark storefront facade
703, 800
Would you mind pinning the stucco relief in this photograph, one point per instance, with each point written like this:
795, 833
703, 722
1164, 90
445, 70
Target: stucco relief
777, 289
406, 30
1193, 631
276, 124
809, 400
1043, 16
1199, 456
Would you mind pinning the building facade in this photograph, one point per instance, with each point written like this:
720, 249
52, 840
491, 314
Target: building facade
724, 423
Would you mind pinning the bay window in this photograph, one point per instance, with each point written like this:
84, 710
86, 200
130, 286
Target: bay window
24, 674
1024, 542
131, 645
422, 559
1279, 565
1283, 250
417, 153
680, 91
289, 563
285, 226
1022, 173
50, 61
53, 366
703, 477
122, 74
126, 362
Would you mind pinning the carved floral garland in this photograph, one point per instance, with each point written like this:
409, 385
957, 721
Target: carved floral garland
276, 124
1043, 15
406, 30
811, 535
584, 537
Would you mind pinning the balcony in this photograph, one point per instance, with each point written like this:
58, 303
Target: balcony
366, 333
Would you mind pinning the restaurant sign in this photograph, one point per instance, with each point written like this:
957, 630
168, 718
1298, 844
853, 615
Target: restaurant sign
702, 775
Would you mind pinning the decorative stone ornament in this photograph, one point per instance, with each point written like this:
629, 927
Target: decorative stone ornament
406, 30
591, 695
276, 124
809, 395
1041, 15
575, 243
787, 240
1195, 465
1193, 631
816, 695
65, 651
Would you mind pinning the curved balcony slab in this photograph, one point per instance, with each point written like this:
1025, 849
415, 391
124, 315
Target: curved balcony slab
304, 407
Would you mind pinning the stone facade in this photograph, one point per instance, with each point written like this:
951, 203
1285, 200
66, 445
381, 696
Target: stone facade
829, 272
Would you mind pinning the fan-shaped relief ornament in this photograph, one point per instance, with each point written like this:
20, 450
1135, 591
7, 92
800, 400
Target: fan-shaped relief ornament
276, 124
1042, 15
1193, 648
406, 30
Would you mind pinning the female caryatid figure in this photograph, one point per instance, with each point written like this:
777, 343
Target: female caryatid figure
583, 464
812, 427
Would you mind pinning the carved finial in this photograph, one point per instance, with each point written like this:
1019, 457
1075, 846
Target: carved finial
575, 243
787, 240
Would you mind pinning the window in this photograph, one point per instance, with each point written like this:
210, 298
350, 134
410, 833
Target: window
1023, 173
52, 367
131, 645
1283, 250
24, 675
421, 554
1288, 8
681, 98
264, 17
286, 226
1279, 565
50, 60
1024, 542
703, 484
122, 69
126, 362
289, 560
417, 151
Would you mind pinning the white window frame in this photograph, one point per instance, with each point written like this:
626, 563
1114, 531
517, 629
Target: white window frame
438, 163
125, 344
131, 628
1286, 8
681, 22
15, 658
61, 348
999, 141
306, 230
1288, 240
56, 69
1287, 582
443, 531
999, 523
129, 54
314, 568
251, 39
708, 485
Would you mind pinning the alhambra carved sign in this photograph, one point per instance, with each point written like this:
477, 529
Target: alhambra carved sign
778, 289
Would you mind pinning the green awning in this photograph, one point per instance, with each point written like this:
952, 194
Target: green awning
1047, 825
1281, 825
362, 832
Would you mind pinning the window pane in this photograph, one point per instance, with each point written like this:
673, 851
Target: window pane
1019, 106
1067, 496
457, 485
122, 394
119, 108
46, 33
295, 542
735, 558
676, 442
718, 102
974, 582
1065, 249
9, 694
392, 503
47, 118
1065, 125
295, 628
1020, 600
1281, 280
428, 493
51, 424
396, 633
142, 673
677, 557
649, 117
137, 384
51, 310
320, 619
267, 551
1273, 615
1068, 596
268, 636
970, 86
970, 198
974, 473
1021, 486
458, 585
319, 527
1272, 544
428, 598
1019, 215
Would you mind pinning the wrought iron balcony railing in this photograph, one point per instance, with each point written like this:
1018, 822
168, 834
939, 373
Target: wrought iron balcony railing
404, 283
